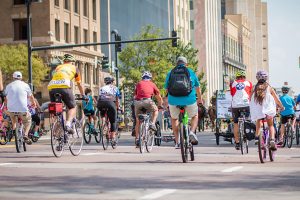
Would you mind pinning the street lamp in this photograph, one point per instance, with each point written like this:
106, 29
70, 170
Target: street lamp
29, 40
117, 49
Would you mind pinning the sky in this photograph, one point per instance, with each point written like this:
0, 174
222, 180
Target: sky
284, 42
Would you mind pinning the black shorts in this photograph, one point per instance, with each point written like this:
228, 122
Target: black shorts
284, 119
236, 113
88, 112
67, 96
36, 119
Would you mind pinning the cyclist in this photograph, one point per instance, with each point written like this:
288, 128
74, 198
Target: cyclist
144, 90
61, 83
35, 117
240, 90
16, 96
263, 106
288, 112
43, 108
109, 100
88, 107
188, 99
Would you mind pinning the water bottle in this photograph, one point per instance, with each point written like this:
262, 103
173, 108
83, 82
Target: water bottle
185, 119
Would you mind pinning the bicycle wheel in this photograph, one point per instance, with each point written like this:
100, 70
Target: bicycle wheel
87, 132
192, 153
158, 135
217, 134
142, 138
261, 148
150, 141
105, 135
76, 139
57, 139
182, 143
98, 132
241, 136
3, 138
289, 136
115, 142
297, 133
19, 139
271, 153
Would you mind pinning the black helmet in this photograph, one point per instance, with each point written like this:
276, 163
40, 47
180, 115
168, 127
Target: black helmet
69, 58
108, 80
285, 89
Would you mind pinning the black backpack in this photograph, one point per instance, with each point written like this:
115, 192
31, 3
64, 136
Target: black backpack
179, 83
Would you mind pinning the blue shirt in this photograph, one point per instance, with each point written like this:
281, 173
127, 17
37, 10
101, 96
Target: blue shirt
88, 105
298, 99
288, 104
186, 100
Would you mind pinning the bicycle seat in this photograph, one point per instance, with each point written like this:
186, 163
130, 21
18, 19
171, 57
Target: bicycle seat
181, 107
143, 116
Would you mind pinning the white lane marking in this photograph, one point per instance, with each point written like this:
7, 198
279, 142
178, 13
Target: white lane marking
3, 164
232, 169
158, 194
92, 154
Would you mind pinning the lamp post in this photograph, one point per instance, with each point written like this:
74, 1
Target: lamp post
29, 40
117, 49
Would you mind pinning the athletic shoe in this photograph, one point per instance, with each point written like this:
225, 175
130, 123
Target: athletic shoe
137, 143
36, 134
27, 140
193, 138
177, 146
256, 140
237, 146
280, 143
273, 146
152, 126
69, 129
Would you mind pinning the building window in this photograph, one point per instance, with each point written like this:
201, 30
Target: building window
86, 73
94, 10
76, 34
85, 8
18, 2
85, 36
67, 34
67, 4
56, 2
95, 40
192, 25
191, 5
76, 8
95, 75
20, 29
57, 30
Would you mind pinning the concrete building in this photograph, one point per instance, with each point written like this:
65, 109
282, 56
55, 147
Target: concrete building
57, 22
256, 13
206, 37
236, 46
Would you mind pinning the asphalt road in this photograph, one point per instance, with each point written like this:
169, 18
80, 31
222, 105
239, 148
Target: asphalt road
218, 172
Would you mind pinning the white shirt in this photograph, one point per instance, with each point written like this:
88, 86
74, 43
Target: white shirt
17, 93
109, 93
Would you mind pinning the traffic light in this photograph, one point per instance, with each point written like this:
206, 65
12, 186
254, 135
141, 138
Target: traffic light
119, 45
105, 62
174, 40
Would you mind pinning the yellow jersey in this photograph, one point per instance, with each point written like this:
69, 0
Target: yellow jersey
63, 76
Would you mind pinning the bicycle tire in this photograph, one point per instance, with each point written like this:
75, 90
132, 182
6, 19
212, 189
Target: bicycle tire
182, 142
87, 133
57, 139
150, 141
289, 136
18, 140
271, 153
76, 139
192, 153
297, 133
3, 139
98, 135
142, 137
158, 135
261, 148
217, 134
105, 135
241, 137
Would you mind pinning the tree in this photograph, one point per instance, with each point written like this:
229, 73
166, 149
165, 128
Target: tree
156, 57
14, 58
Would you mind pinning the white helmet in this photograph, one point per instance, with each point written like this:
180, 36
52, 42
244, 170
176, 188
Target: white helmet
17, 75
147, 74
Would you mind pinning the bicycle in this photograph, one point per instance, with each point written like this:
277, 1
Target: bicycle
6, 135
105, 132
19, 134
244, 142
90, 130
264, 145
288, 134
186, 146
146, 137
60, 138
297, 135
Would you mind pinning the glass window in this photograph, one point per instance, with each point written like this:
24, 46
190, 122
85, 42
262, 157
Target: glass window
67, 4
85, 8
76, 34
17, 2
76, 8
85, 36
95, 75
57, 30
94, 10
95, 40
20, 29
191, 5
192, 25
86, 73
56, 2
67, 34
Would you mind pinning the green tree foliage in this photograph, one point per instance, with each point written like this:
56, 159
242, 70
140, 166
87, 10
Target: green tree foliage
14, 58
156, 57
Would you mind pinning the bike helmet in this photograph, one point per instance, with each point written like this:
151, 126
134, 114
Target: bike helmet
285, 89
108, 80
240, 74
69, 58
262, 75
146, 75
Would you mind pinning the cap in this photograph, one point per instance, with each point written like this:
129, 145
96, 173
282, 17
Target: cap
182, 59
17, 74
